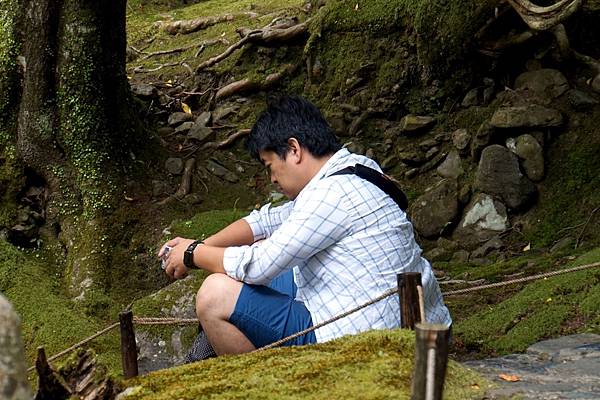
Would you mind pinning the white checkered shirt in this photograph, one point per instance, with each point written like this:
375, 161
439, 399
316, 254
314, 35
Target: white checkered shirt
347, 240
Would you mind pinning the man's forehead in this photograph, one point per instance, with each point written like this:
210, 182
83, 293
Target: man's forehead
266, 155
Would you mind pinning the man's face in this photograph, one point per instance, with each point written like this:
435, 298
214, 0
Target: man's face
284, 173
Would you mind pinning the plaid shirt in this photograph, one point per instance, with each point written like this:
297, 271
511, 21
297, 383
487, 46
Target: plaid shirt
346, 240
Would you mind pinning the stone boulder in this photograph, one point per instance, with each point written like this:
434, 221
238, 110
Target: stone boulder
482, 220
498, 174
596, 84
177, 118
415, 123
13, 369
545, 82
451, 167
529, 116
461, 140
481, 139
435, 209
144, 91
531, 154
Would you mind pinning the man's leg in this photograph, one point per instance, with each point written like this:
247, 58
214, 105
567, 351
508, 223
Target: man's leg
215, 302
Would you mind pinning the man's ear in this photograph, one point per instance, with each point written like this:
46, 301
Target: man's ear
295, 150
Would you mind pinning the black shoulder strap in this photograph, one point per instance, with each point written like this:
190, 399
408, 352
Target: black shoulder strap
378, 179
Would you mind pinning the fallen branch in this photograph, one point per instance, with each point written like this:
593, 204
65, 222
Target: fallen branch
578, 241
142, 70
227, 142
193, 25
202, 45
265, 36
247, 84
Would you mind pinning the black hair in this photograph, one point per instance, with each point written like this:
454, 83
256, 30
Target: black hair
289, 117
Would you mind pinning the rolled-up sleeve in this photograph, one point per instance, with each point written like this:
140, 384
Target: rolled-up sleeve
267, 219
316, 222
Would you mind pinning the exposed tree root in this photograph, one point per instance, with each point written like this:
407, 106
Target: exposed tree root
265, 36
543, 18
186, 180
246, 84
193, 25
227, 142
201, 46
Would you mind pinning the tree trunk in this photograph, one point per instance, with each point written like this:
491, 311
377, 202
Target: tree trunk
75, 128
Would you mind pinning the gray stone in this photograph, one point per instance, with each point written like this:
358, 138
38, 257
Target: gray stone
144, 90
432, 152
460, 256
436, 209
530, 116
202, 134
356, 148
411, 173
499, 174
178, 118
461, 140
184, 127
494, 243
464, 194
174, 165
370, 153
437, 254
425, 145
451, 167
532, 156
224, 112
165, 131
471, 98
481, 140
338, 124
218, 170
562, 244
580, 100
203, 119
447, 244
567, 348
389, 163
13, 368
547, 82
483, 219
415, 123
192, 199
596, 84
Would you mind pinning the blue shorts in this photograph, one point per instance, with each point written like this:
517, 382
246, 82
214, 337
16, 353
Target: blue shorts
266, 314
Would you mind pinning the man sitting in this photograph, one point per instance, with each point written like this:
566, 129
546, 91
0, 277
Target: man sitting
342, 237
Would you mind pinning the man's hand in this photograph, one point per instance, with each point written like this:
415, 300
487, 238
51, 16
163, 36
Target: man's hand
174, 258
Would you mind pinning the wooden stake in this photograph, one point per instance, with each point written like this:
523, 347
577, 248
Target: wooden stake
128, 347
431, 358
409, 299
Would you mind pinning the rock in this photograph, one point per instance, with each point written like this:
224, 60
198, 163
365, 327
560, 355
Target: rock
356, 148
562, 244
415, 123
411, 173
13, 367
546, 82
483, 218
174, 165
165, 131
596, 84
471, 98
481, 262
494, 243
202, 134
432, 152
451, 167
370, 153
431, 164
499, 174
389, 163
203, 119
530, 116
184, 127
144, 90
436, 209
580, 100
461, 140
532, 156
425, 145
338, 124
437, 254
481, 140
464, 194
160, 188
460, 256
224, 112
193, 199
447, 244
178, 118
218, 170
412, 158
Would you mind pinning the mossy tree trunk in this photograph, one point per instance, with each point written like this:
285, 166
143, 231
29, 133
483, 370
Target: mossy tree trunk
69, 120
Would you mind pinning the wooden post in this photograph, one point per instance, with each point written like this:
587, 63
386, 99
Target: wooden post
409, 299
431, 358
128, 347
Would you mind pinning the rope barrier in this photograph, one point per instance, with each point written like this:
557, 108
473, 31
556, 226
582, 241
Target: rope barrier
189, 321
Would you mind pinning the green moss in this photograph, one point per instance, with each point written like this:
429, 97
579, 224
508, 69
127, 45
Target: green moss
48, 317
541, 310
9, 50
372, 365
206, 223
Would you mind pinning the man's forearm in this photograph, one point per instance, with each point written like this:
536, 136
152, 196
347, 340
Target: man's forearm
238, 233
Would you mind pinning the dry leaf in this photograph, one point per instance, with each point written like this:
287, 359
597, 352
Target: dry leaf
186, 109
129, 198
549, 299
474, 386
509, 378
356, 7
528, 247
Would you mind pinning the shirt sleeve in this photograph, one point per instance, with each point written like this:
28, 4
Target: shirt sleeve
316, 222
265, 221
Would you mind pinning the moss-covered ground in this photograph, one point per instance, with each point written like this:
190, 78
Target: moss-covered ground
373, 365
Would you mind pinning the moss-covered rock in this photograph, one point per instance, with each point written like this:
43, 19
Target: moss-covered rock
372, 365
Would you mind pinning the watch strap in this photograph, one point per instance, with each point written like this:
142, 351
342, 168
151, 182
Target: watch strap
188, 255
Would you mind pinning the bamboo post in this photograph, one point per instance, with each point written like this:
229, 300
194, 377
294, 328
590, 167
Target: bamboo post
431, 358
409, 299
128, 346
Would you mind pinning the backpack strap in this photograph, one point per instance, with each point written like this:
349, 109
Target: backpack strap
378, 179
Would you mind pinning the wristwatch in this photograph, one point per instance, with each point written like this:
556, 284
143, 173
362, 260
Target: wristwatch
188, 255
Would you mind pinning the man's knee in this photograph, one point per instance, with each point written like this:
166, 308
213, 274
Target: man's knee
217, 296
